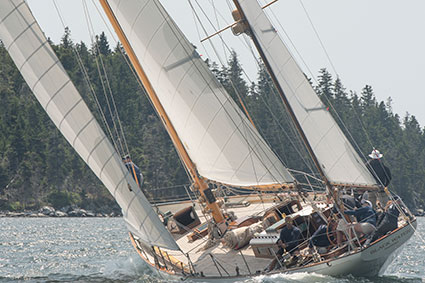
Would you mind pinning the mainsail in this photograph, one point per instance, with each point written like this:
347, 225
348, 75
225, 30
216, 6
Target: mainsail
219, 139
336, 155
49, 82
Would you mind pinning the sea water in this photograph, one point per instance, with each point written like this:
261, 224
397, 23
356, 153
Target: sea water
99, 250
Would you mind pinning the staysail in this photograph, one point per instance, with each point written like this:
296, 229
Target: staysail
49, 82
336, 155
219, 139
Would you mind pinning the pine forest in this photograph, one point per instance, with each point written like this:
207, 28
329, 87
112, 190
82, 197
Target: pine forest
38, 167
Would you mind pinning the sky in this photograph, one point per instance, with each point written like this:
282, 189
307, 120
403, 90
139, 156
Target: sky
378, 43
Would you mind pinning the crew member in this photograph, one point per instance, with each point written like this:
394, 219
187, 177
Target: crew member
380, 172
366, 218
389, 219
320, 239
289, 240
134, 170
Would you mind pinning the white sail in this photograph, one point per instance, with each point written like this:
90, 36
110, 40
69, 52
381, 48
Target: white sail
337, 157
49, 82
219, 139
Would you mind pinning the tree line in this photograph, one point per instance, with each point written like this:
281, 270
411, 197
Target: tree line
38, 167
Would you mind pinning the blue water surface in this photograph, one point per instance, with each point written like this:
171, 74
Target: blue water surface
99, 250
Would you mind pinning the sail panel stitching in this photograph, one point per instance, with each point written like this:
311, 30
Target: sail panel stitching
82, 129
45, 72
11, 12
56, 93
20, 34
69, 111
32, 54
119, 184
94, 148
106, 162
137, 17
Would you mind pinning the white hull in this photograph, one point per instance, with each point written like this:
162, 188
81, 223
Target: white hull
370, 262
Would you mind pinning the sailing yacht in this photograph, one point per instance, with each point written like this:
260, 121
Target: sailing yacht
214, 237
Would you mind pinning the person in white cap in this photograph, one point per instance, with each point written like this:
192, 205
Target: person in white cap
380, 172
366, 218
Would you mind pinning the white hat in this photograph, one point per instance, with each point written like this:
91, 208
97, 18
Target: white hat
366, 201
375, 154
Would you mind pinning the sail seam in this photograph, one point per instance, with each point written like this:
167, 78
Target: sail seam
32, 54
194, 105
119, 183
147, 214
137, 17
20, 34
281, 70
325, 134
45, 72
69, 111
94, 148
246, 156
153, 36
56, 93
339, 158
106, 162
211, 122
82, 129
11, 12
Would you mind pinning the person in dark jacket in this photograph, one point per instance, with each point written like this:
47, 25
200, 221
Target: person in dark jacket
366, 218
380, 172
134, 170
289, 239
320, 239
389, 219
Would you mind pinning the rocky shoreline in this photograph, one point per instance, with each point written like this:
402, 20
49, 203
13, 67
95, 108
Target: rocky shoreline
48, 211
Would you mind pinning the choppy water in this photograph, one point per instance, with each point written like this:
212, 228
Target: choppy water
99, 250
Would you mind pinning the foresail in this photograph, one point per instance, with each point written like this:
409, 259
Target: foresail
49, 82
219, 139
336, 155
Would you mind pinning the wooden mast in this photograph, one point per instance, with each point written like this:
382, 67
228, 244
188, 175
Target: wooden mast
199, 183
283, 96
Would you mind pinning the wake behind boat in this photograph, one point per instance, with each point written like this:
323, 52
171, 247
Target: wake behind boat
246, 201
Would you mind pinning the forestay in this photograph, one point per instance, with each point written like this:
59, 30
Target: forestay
49, 82
218, 137
336, 155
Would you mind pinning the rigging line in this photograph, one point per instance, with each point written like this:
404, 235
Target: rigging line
318, 37
126, 59
273, 89
178, 33
87, 79
218, 24
333, 108
128, 64
335, 71
197, 17
275, 118
228, 97
400, 209
121, 128
107, 88
248, 45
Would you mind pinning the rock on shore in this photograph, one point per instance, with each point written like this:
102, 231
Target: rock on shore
48, 211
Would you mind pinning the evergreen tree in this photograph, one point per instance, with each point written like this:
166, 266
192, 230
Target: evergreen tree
39, 167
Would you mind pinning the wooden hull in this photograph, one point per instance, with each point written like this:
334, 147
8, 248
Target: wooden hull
369, 262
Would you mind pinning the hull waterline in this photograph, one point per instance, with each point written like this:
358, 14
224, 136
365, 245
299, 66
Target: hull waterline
369, 262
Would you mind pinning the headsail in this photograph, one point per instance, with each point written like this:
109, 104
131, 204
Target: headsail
217, 136
49, 82
336, 155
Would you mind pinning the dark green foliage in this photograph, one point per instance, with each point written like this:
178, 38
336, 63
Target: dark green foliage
60, 199
38, 167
